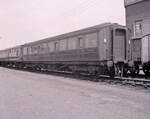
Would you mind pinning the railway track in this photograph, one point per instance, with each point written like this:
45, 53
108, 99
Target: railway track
136, 82
126, 81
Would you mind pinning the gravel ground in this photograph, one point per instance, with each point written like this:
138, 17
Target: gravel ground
25, 95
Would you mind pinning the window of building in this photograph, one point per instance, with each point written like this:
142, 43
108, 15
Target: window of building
138, 27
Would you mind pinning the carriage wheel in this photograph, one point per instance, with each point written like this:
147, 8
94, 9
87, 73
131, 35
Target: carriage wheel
120, 70
135, 71
111, 71
146, 70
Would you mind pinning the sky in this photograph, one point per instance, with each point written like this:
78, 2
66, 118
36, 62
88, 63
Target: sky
23, 21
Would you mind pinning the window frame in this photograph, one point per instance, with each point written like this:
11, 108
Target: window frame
138, 27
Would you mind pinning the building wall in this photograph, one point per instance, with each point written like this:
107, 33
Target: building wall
138, 12
146, 26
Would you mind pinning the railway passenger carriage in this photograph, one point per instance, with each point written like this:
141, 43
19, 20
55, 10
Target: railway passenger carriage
11, 56
4, 54
102, 49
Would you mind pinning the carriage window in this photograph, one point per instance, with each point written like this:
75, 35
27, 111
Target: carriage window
46, 46
43, 48
120, 33
40, 48
34, 49
72, 43
63, 45
91, 40
50, 46
27, 50
17, 53
24, 51
12, 53
56, 46
80, 42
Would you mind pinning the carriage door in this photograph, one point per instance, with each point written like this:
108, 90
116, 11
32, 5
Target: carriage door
145, 49
119, 46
